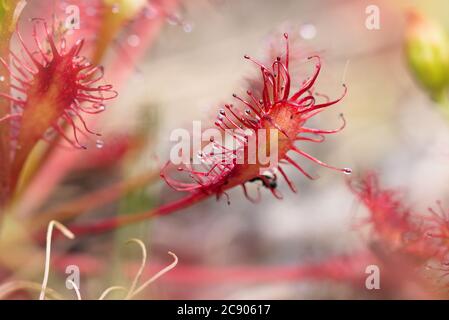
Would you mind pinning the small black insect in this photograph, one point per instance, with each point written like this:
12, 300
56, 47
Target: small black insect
269, 182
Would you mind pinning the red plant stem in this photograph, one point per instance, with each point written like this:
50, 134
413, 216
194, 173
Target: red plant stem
120, 221
4, 144
60, 161
5, 109
349, 269
92, 200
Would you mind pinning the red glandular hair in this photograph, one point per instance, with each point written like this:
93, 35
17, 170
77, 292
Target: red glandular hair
389, 216
52, 87
272, 106
437, 230
419, 236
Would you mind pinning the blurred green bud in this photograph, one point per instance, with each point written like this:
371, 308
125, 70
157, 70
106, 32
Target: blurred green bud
427, 51
9, 13
125, 9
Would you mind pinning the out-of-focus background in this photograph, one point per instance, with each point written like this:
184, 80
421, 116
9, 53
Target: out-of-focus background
393, 128
193, 69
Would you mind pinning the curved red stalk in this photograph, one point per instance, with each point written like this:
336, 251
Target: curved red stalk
219, 171
116, 222
10, 12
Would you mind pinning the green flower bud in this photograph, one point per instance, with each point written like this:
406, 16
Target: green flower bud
126, 9
427, 51
9, 13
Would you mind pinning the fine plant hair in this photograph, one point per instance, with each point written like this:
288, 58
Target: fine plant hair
157, 275
142, 266
133, 291
75, 287
46, 292
109, 290
66, 232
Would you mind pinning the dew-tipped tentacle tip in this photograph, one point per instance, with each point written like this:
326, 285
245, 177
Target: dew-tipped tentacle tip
262, 111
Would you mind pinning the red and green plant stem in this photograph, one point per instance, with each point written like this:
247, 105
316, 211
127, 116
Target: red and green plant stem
60, 161
6, 31
120, 221
4, 133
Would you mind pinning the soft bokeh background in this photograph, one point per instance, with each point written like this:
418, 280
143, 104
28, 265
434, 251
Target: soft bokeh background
392, 127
